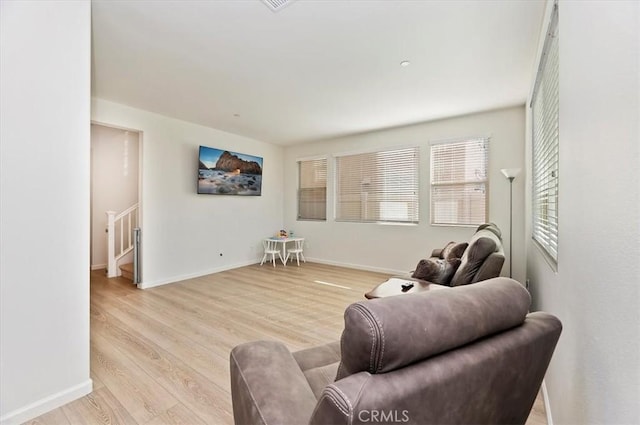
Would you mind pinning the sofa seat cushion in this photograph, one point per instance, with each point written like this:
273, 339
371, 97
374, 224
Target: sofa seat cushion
320, 377
322, 355
376, 339
319, 365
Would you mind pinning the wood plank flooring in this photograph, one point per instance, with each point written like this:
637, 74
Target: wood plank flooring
161, 355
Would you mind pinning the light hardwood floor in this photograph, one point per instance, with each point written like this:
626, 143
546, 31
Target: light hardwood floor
161, 355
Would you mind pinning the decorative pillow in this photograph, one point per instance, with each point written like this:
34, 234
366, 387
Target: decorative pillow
427, 269
454, 251
479, 250
447, 249
437, 271
450, 267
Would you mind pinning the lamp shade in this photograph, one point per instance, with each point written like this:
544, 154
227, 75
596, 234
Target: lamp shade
510, 173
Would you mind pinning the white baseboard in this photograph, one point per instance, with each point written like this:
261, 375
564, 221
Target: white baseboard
174, 279
356, 266
547, 406
47, 404
98, 266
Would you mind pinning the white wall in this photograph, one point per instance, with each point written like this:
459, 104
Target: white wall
183, 233
114, 182
44, 201
594, 376
397, 248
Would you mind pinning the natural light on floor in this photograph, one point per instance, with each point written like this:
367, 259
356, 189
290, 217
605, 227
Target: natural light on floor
330, 284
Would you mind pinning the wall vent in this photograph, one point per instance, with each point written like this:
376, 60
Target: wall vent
277, 5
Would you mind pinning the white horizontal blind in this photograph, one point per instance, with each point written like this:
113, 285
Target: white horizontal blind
545, 127
378, 186
459, 182
312, 189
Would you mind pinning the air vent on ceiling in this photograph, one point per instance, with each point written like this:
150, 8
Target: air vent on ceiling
277, 5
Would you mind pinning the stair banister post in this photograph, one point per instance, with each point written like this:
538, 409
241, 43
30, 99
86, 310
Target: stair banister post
112, 268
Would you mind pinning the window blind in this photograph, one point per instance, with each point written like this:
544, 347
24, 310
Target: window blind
312, 189
545, 128
459, 182
378, 186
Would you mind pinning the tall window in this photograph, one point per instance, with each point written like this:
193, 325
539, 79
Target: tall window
544, 112
459, 182
378, 186
312, 189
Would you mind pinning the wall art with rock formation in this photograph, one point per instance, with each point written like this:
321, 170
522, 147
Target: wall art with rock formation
221, 172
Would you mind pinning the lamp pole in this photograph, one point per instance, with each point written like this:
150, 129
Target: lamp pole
511, 225
510, 174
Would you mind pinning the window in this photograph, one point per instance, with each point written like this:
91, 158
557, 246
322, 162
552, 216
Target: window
544, 113
378, 186
312, 189
459, 182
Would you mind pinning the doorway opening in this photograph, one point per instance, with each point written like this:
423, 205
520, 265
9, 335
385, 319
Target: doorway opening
115, 200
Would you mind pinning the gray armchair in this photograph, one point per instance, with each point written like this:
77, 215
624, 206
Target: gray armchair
468, 354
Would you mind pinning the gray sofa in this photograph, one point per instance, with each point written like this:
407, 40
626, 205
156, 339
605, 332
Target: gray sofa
462, 355
481, 260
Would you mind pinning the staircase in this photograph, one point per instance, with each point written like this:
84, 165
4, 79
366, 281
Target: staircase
121, 240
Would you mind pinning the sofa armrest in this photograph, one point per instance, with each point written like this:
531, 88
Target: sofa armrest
267, 385
336, 403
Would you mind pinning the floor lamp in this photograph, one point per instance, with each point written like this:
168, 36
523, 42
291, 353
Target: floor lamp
510, 174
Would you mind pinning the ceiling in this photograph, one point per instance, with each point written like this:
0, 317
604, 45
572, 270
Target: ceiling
315, 69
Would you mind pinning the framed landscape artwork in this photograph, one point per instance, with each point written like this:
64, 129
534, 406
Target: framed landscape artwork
221, 172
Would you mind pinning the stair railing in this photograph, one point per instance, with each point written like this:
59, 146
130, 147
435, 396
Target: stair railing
120, 236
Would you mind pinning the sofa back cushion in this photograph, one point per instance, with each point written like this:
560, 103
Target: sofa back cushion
486, 241
381, 335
